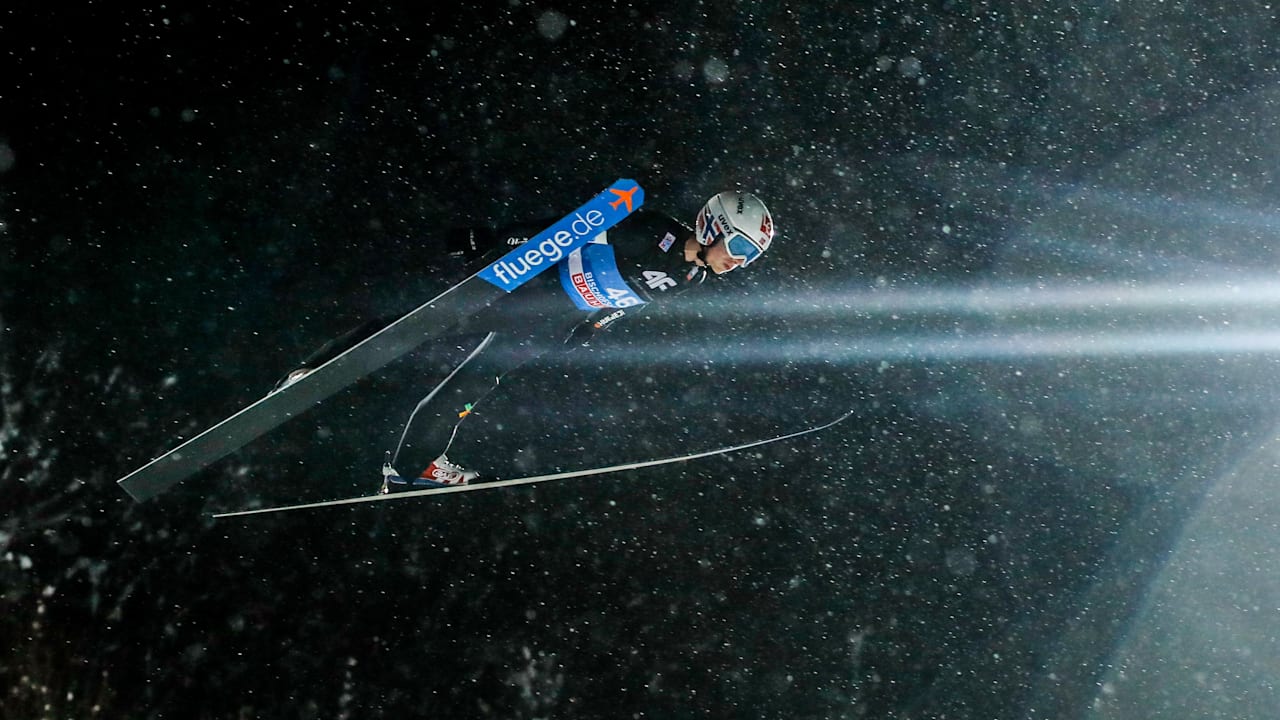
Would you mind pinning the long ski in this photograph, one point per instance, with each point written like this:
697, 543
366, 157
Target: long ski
433, 319
495, 484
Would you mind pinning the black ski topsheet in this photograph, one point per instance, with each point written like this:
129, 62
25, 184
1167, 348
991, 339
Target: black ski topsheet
433, 319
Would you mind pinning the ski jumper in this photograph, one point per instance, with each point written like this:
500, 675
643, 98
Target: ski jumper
638, 262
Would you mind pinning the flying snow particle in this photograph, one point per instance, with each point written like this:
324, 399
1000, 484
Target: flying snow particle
910, 67
7, 158
552, 25
715, 70
961, 561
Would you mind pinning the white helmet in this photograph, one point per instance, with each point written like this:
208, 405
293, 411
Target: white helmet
740, 220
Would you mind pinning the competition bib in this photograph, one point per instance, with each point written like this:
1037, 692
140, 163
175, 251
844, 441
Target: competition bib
591, 278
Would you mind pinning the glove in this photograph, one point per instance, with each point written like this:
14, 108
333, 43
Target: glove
580, 336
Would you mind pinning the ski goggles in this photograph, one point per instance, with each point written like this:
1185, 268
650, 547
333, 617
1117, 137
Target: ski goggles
742, 247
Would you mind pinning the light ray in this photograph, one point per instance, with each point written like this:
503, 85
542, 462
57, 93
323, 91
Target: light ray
1001, 300
1076, 320
943, 347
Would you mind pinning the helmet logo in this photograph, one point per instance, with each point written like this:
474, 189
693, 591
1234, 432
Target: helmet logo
766, 227
710, 227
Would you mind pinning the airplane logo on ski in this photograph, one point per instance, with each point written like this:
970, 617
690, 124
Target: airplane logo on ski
624, 196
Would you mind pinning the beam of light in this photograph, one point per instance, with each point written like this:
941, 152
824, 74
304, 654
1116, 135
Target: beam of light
1113, 320
1025, 345
833, 348
1115, 298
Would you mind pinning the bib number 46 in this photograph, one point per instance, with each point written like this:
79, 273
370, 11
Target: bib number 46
622, 297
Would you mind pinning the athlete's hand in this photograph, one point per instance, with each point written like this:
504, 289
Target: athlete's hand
580, 336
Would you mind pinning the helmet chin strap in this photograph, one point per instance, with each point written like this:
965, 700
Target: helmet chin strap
702, 253
705, 267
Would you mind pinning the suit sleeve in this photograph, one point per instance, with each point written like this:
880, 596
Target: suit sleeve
599, 322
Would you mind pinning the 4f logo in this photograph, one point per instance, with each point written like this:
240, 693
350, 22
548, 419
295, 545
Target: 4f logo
658, 280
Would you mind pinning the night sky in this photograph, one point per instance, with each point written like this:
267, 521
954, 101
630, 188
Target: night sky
1031, 248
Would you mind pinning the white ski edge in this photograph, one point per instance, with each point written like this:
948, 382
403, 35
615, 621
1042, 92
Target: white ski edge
495, 484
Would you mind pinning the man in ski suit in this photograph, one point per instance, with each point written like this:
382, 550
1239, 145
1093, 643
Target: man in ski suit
649, 257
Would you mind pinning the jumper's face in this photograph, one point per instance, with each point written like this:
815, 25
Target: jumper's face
720, 261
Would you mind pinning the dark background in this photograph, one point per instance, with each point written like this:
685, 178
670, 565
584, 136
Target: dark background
194, 196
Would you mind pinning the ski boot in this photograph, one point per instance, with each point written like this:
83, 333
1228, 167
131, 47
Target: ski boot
440, 473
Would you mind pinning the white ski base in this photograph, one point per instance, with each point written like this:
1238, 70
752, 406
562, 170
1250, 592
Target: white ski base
495, 484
